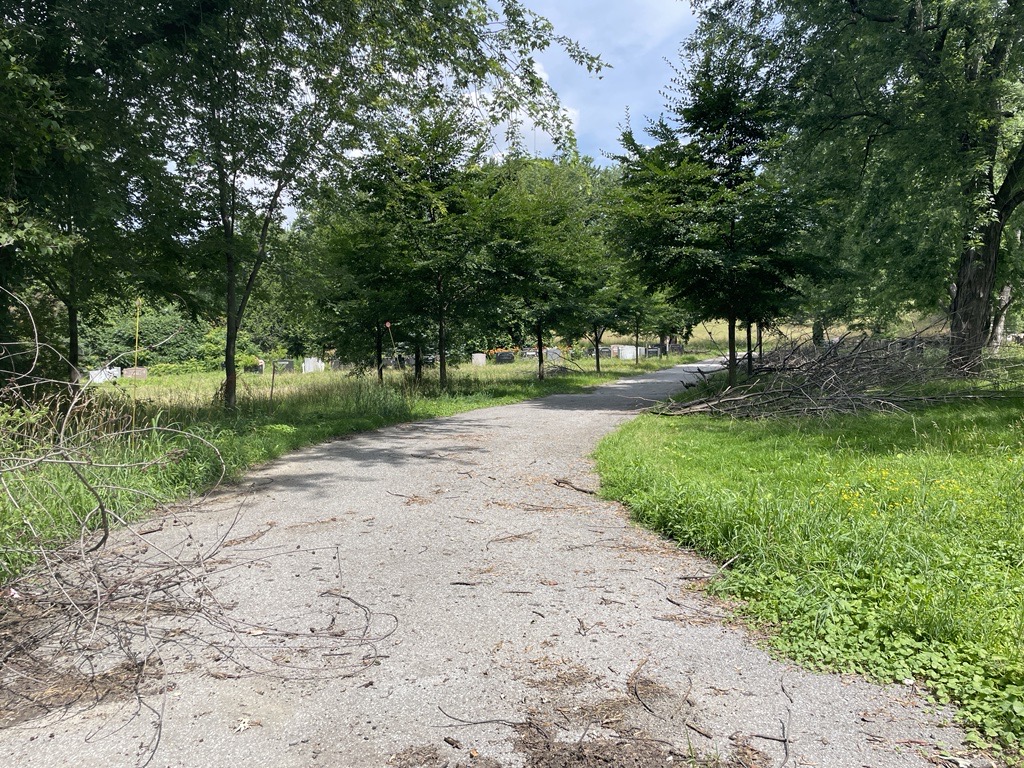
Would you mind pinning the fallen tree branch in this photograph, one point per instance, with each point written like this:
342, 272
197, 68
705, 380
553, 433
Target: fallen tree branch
853, 375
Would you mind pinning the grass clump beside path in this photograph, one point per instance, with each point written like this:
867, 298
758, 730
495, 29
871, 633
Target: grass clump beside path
886, 544
139, 444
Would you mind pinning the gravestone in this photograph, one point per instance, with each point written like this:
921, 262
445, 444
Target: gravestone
134, 373
312, 365
285, 366
553, 355
101, 375
627, 352
605, 351
479, 358
505, 357
654, 351
675, 349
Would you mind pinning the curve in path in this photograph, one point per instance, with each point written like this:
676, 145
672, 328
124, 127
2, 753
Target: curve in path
447, 593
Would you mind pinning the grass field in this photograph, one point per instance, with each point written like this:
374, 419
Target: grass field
891, 545
135, 445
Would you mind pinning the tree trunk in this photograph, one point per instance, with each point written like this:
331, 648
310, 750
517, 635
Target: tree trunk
597, 349
6, 315
540, 352
378, 351
750, 351
442, 351
636, 340
418, 364
818, 333
237, 302
998, 335
732, 351
73, 345
972, 301
760, 341
231, 337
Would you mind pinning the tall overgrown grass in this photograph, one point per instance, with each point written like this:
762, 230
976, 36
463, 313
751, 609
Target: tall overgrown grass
887, 544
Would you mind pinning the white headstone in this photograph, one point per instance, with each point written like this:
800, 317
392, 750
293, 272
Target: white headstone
312, 365
102, 375
479, 358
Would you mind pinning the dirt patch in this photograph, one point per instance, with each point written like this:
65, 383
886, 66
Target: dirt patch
432, 757
746, 756
25, 697
55, 658
543, 751
86, 629
567, 674
539, 748
621, 752
580, 727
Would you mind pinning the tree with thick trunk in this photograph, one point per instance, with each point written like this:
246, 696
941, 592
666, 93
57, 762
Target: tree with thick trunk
905, 118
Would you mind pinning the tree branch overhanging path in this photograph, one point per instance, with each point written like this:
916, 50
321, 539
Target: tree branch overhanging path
506, 613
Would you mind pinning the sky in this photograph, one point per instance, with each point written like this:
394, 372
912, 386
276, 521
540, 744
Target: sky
635, 37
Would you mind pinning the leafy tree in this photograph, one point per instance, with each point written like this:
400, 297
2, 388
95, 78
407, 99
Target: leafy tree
910, 127
346, 275
399, 248
598, 308
419, 182
601, 280
702, 217
35, 122
104, 196
540, 239
265, 97
165, 334
35, 125
717, 244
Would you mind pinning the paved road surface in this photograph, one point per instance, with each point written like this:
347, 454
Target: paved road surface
428, 595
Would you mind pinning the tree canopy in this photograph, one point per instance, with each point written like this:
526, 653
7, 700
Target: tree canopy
210, 119
703, 216
910, 138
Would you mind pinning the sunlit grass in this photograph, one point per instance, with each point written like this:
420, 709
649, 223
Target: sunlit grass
887, 544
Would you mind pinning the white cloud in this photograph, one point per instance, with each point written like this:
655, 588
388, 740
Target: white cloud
656, 22
635, 37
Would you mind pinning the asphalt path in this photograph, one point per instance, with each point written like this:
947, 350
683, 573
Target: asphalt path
449, 593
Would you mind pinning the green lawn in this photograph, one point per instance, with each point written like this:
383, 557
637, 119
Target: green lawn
888, 544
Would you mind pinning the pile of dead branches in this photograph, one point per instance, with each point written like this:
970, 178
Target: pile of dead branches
851, 374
